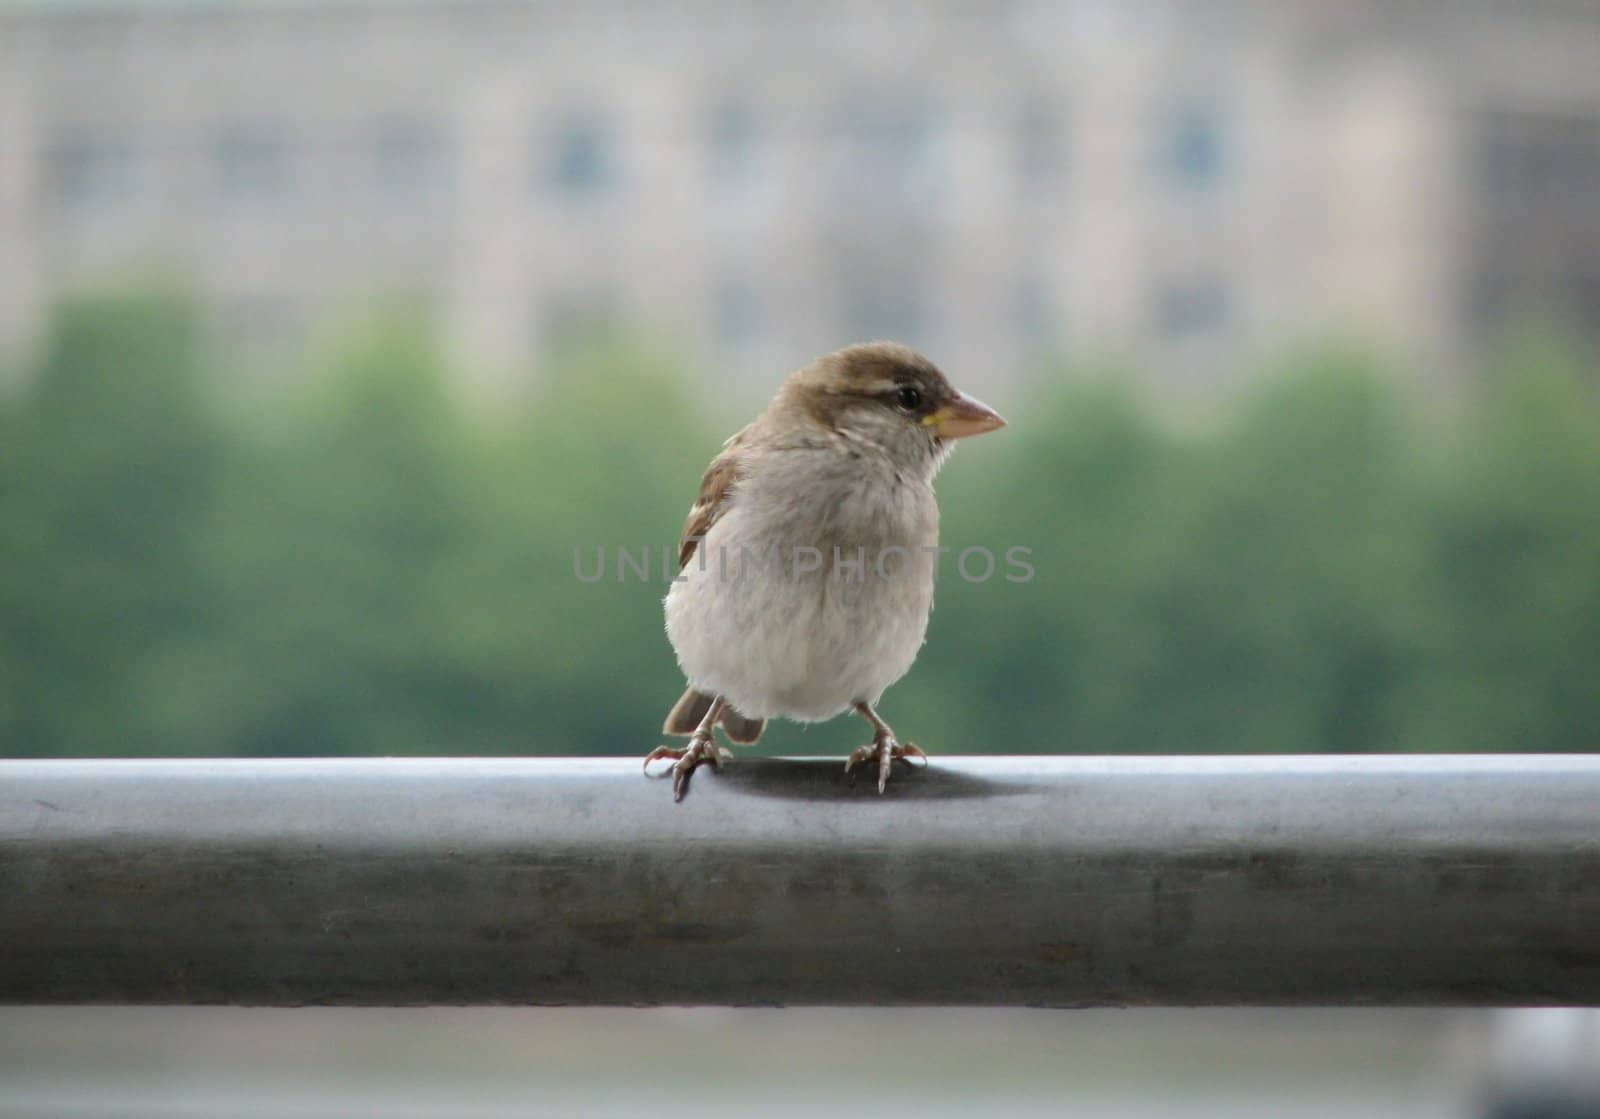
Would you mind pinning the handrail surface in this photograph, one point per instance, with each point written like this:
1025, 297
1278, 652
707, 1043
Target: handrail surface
1060, 881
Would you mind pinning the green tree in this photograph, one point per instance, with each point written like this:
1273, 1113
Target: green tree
1513, 642
1059, 662
1290, 600
1243, 588
109, 466
607, 455
366, 566
340, 526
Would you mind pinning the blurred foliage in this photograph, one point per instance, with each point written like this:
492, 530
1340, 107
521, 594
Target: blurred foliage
368, 565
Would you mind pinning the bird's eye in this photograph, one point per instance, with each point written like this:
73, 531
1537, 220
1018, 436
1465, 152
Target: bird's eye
908, 398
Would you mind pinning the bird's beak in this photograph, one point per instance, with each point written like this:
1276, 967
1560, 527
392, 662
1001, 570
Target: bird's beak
963, 416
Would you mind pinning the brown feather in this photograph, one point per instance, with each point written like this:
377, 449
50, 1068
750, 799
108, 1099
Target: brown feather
686, 714
740, 729
715, 489
691, 708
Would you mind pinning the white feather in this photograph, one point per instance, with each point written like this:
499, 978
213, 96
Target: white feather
775, 640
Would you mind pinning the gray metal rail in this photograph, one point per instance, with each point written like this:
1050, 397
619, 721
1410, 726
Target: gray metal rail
1046, 881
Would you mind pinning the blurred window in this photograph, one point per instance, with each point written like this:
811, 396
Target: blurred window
89, 32
1191, 310
1041, 150
893, 309
1536, 159
1537, 238
92, 171
741, 315
412, 158
735, 157
888, 154
253, 162
1193, 154
582, 163
1037, 325
254, 331
576, 320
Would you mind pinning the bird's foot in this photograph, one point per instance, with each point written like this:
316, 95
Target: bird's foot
884, 749
686, 759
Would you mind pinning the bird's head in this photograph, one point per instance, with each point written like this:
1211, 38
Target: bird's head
890, 396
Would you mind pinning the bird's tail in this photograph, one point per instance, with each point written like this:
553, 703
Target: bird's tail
742, 730
686, 714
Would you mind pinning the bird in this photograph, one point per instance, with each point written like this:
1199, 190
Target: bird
806, 565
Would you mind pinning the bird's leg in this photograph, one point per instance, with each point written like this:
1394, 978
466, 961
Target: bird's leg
884, 747
702, 748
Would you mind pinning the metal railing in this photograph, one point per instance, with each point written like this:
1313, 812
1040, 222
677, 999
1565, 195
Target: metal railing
1043, 881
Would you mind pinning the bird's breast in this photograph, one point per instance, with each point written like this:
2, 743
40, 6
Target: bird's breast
810, 592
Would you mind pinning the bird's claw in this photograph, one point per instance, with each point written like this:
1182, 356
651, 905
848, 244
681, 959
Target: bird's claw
686, 759
884, 749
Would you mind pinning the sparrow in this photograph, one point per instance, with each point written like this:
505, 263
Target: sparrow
806, 565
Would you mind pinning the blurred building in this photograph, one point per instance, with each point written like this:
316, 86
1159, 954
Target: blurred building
1186, 182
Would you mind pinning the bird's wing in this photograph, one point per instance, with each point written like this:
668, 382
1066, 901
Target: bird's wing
715, 490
